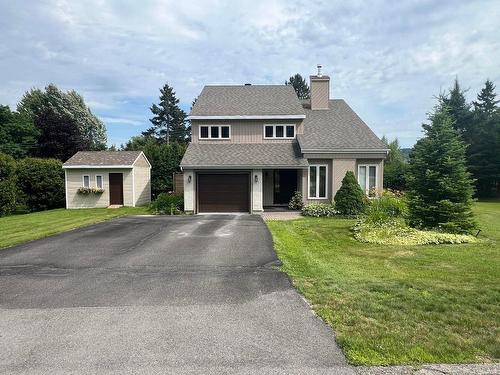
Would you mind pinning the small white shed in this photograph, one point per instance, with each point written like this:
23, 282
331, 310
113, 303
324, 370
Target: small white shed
103, 178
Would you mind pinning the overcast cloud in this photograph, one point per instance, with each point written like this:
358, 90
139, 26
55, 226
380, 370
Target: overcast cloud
387, 59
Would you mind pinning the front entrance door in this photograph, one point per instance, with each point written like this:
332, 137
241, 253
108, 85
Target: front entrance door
285, 184
116, 188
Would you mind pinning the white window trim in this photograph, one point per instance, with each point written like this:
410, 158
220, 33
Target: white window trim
317, 181
367, 191
210, 132
83, 180
284, 131
102, 181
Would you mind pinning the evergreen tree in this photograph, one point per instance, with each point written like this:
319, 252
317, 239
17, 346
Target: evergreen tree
459, 110
169, 120
395, 166
300, 86
350, 198
483, 153
486, 100
439, 186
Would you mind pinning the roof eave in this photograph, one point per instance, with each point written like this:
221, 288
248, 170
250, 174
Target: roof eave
87, 166
344, 151
247, 117
234, 167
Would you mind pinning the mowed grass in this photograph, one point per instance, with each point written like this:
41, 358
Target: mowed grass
17, 229
399, 305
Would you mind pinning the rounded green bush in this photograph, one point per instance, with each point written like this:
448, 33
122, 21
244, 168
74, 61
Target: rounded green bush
41, 183
7, 184
350, 199
168, 204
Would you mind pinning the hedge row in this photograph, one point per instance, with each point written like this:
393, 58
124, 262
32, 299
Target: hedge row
31, 184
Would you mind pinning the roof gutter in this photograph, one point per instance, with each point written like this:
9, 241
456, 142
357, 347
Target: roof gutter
98, 166
219, 167
249, 117
345, 151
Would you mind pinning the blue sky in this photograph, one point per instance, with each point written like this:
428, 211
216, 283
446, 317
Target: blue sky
387, 59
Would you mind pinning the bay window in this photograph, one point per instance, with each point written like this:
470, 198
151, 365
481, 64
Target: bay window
318, 177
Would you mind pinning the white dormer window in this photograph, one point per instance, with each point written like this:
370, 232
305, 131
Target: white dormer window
279, 131
215, 132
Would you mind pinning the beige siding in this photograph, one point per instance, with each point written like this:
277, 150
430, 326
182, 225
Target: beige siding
142, 181
320, 93
74, 180
245, 131
340, 167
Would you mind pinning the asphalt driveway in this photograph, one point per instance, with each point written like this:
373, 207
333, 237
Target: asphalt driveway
197, 294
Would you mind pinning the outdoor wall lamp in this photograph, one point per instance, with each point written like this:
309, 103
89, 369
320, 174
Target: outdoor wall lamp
189, 179
256, 178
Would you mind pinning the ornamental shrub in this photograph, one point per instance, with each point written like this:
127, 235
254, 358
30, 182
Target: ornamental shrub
350, 198
41, 183
168, 204
385, 209
296, 203
398, 233
7, 184
319, 210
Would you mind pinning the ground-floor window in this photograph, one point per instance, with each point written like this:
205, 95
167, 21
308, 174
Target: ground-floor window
98, 181
86, 181
318, 176
367, 177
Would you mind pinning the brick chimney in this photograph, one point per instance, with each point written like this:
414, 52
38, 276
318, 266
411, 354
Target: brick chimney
320, 90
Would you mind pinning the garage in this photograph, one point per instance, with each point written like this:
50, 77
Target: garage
218, 192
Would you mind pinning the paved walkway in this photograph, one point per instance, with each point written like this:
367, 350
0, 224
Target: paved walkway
281, 215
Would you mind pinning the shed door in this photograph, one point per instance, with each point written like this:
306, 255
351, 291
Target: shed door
223, 193
116, 188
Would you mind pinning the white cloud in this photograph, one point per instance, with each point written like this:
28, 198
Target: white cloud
386, 59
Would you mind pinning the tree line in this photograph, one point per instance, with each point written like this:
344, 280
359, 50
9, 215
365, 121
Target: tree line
477, 124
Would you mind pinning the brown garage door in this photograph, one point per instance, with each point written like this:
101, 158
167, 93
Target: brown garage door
223, 193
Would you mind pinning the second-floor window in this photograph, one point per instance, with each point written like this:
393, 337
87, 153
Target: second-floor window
215, 131
279, 131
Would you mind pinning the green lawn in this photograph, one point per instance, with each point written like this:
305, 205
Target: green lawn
17, 229
395, 305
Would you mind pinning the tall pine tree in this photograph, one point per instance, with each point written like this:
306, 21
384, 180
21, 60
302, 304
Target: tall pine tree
169, 120
300, 86
439, 186
459, 110
484, 150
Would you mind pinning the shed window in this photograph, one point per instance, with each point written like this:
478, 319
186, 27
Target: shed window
98, 182
86, 181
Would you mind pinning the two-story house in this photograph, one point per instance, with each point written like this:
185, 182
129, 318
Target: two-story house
253, 146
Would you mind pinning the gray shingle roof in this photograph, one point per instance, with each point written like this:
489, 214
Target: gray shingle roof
102, 158
338, 128
252, 100
243, 155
